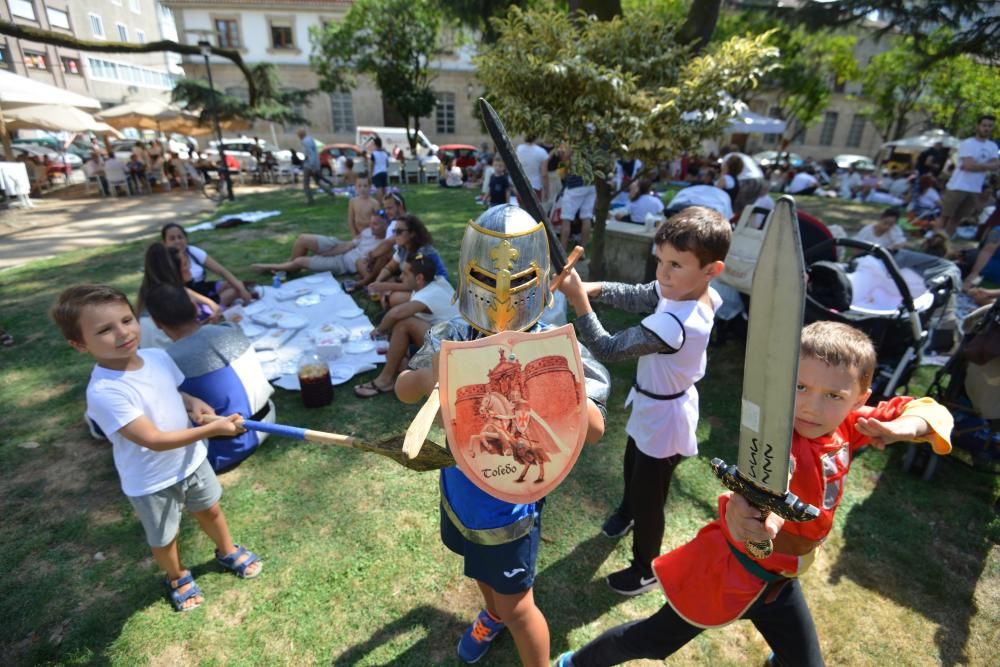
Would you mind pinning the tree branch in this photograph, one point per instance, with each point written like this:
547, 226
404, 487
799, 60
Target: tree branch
58, 39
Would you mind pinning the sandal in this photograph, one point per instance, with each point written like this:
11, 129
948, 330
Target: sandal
233, 563
370, 390
178, 598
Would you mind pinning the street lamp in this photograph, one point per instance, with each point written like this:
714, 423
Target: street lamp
206, 50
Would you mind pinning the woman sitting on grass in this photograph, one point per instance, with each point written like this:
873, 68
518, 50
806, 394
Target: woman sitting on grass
224, 291
412, 238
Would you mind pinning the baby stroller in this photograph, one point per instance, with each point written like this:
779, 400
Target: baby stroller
969, 386
900, 334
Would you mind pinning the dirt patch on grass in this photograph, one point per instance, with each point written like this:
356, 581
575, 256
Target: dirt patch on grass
174, 654
61, 472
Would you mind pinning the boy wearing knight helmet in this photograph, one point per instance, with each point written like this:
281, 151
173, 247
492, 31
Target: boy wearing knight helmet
498, 540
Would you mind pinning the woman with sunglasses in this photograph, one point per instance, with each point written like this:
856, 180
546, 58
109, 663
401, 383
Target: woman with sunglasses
412, 238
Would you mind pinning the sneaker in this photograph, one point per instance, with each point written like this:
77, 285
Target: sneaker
616, 525
631, 581
476, 639
565, 660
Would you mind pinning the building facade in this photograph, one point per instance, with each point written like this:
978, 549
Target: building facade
277, 31
111, 78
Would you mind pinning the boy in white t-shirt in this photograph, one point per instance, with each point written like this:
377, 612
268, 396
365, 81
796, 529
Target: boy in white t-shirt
408, 322
670, 345
885, 232
133, 397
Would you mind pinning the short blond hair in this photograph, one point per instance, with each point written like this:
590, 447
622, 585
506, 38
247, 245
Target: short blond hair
840, 344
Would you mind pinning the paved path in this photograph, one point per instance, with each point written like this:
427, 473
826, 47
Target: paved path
61, 224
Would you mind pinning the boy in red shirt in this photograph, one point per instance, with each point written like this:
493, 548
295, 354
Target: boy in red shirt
712, 581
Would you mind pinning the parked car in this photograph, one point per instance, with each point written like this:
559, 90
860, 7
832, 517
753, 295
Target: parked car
859, 162
239, 147
57, 163
122, 148
465, 154
79, 147
332, 152
770, 158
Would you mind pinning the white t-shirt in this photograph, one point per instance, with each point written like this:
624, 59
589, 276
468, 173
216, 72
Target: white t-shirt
531, 157
437, 295
981, 152
662, 428
893, 238
643, 205
117, 398
802, 181
380, 161
196, 263
928, 199
708, 196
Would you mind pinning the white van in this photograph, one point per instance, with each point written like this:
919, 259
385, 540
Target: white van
393, 137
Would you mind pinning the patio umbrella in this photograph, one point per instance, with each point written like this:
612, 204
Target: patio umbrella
925, 140
747, 121
151, 114
17, 91
55, 117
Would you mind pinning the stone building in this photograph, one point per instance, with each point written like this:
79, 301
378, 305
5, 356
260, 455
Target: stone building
111, 78
277, 31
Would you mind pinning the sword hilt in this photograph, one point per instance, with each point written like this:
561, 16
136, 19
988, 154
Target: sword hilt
787, 506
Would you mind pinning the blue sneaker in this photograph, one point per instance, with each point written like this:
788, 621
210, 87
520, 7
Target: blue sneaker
476, 639
565, 660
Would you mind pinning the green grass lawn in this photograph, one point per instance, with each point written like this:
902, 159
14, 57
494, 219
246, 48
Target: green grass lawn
355, 572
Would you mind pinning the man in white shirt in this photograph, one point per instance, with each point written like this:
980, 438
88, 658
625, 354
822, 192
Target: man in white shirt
533, 159
977, 156
708, 196
408, 323
803, 183
311, 167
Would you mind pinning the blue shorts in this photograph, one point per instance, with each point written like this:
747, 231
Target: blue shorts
506, 568
381, 179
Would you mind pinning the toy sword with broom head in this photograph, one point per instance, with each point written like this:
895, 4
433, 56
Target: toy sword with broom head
777, 302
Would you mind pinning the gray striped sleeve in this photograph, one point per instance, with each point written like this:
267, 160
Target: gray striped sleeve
630, 298
631, 343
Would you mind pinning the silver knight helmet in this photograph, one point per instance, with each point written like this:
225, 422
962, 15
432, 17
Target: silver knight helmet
504, 281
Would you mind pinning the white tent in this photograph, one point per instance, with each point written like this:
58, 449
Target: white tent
54, 117
16, 91
925, 140
747, 122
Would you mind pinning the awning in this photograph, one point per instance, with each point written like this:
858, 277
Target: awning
55, 117
748, 122
17, 91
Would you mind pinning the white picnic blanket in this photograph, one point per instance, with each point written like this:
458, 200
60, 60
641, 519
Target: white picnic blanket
287, 321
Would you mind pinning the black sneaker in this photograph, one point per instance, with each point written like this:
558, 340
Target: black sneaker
616, 525
631, 581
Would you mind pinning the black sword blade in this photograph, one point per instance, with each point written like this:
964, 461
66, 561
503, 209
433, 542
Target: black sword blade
525, 192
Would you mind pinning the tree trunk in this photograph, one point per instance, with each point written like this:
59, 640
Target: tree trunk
601, 208
699, 24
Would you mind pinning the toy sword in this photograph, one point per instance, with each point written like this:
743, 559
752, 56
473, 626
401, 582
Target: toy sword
429, 458
770, 371
525, 192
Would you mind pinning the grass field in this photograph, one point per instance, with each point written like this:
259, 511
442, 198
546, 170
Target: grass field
355, 572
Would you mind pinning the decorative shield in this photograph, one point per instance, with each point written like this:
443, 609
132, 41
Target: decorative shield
514, 409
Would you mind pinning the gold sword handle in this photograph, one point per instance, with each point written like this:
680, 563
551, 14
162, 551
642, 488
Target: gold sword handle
760, 550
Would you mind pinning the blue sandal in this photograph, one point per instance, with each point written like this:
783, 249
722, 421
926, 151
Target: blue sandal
178, 598
232, 562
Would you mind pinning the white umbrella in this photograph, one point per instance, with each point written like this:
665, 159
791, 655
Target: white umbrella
151, 114
16, 91
54, 117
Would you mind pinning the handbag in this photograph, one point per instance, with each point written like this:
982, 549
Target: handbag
744, 249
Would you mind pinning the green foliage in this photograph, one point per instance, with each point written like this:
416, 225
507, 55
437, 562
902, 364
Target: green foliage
393, 42
273, 103
808, 64
612, 87
960, 89
892, 84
